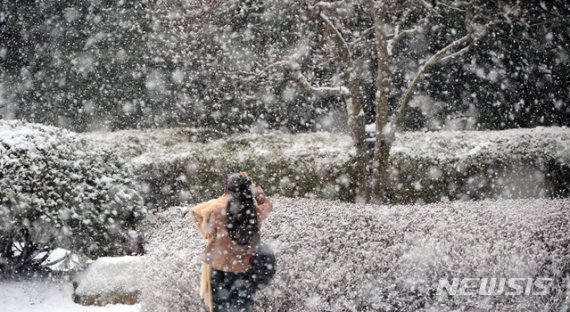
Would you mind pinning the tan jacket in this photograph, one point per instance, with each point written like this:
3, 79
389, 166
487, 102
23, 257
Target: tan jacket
221, 252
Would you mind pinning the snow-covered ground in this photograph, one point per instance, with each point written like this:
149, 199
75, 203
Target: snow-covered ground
47, 296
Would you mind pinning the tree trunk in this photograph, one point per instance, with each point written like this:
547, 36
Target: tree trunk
354, 109
382, 143
358, 134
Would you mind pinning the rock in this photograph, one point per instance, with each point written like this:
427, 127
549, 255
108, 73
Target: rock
108, 280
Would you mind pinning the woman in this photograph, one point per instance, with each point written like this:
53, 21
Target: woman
231, 225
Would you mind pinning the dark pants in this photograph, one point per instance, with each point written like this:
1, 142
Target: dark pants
231, 292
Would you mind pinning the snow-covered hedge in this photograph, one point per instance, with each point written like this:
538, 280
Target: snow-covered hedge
189, 165
518, 163
335, 256
179, 165
59, 190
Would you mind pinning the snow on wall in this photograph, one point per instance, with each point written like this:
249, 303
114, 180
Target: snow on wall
335, 256
188, 165
109, 275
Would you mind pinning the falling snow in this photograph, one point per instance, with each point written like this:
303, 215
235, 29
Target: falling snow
450, 116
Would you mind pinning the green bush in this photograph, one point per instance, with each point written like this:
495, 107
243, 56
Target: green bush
188, 165
58, 190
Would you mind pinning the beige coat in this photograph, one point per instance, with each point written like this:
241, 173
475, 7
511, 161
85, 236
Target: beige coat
221, 252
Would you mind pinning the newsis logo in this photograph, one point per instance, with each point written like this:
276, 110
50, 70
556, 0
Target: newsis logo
495, 286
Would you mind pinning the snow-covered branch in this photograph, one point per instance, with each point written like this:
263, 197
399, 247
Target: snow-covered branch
317, 12
297, 75
338, 38
447, 51
353, 96
362, 36
395, 38
398, 35
319, 91
451, 6
323, 6
429, 7
454, 55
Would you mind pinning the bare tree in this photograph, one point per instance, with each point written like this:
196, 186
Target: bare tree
386, 126
354, 105
350, 93
372, 176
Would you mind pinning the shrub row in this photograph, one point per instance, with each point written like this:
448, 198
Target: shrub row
335, 256
188, 165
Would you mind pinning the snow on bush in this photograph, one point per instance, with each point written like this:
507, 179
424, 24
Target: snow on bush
517, 163
187, 165
181, 165
336, 256
59, 190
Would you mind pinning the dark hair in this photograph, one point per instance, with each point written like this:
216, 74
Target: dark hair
241, 213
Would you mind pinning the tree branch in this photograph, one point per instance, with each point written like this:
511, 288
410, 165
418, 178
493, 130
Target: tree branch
362, 36
449, 57
319, 91
327, 6
317, 12
429, 7
337, 36
297, 75
393, 38
398, 35
451, 7
435, 59
353, 99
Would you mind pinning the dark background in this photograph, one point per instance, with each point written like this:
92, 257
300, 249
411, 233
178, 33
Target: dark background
87, 65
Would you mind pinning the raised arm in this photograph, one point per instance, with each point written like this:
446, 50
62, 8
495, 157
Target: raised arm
264, 205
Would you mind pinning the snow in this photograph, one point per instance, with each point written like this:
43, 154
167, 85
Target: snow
425, 166
65, 191
61, 259
109, 274
47, 296
440, 145
446, 146
167, 155
334, 256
